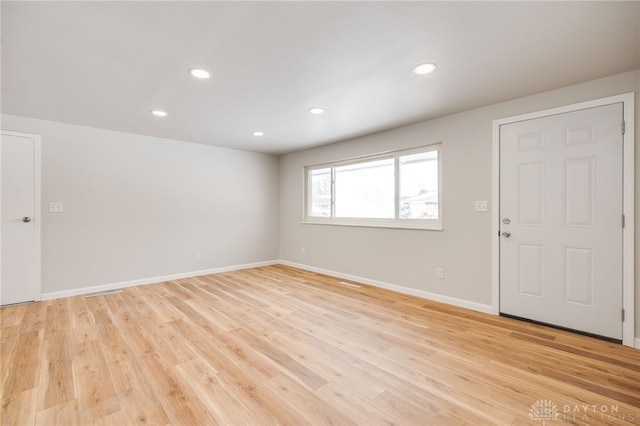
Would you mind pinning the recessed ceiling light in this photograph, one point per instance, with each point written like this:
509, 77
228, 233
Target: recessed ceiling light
159, 113
425, 68
316, 110
199, 73
257, 134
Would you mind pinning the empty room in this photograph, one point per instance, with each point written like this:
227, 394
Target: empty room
319, 212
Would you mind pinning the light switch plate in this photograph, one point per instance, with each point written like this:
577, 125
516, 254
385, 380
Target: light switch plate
482, 206
56, 207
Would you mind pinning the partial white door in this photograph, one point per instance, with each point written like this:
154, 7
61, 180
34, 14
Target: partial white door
20, 229
561, 186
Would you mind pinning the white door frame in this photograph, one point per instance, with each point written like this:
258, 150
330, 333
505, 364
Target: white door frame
37, 171
628, 299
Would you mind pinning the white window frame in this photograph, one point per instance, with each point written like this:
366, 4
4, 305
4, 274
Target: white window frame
396, 222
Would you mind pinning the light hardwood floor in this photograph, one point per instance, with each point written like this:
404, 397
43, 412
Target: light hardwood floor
277, 345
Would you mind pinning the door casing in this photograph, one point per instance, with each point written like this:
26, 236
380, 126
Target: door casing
37, 165
628, 298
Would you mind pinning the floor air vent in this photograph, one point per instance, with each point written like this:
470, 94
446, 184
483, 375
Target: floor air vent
102, 293
346, 284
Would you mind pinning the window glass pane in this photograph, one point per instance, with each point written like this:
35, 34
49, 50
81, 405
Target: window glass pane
419, 186
365, 190
320, 181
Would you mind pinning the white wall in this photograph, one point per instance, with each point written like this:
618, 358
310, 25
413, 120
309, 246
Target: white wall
138, 207
408, 258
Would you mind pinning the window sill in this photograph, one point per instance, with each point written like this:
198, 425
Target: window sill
389, 225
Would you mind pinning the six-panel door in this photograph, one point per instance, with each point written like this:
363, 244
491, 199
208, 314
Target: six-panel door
561, 220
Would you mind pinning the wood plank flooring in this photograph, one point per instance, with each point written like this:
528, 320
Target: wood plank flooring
278, 345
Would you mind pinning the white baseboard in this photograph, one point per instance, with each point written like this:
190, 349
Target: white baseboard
637, 343
153, 280
488, 309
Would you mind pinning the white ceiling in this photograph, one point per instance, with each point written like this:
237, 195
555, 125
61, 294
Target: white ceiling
107, 64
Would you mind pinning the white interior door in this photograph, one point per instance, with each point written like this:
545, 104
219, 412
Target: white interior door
20, 267
561, 186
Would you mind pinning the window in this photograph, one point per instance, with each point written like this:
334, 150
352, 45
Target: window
398, 189
365, 190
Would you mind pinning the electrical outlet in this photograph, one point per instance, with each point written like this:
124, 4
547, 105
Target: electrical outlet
440, 273
303, 250
196, 255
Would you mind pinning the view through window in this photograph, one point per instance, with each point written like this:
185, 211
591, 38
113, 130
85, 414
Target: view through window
397, 189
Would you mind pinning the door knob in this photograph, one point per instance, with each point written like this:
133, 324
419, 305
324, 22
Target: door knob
26, 219
506, 234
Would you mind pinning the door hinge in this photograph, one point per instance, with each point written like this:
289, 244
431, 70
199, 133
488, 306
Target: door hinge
622, 314
623, 221
624, 127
